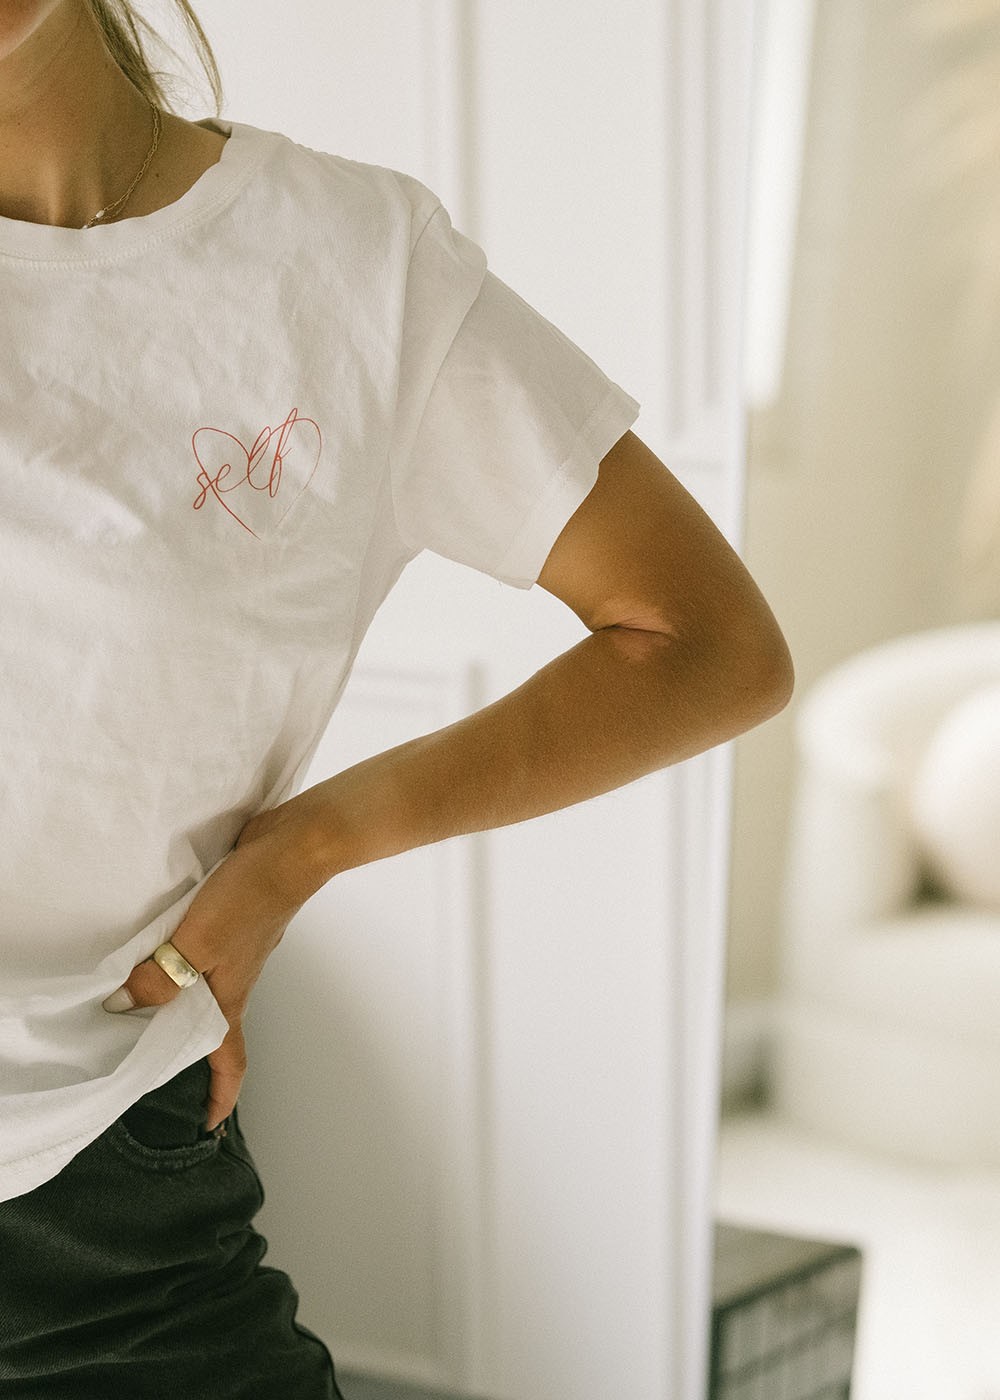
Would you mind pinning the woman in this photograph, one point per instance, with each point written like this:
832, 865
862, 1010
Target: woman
251, 382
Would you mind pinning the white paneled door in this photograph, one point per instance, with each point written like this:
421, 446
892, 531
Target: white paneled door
484, 1075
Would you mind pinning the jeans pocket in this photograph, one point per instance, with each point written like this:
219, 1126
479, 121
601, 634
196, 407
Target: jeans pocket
165, 1129
161, 1159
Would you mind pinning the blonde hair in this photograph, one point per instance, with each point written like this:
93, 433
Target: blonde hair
124, 30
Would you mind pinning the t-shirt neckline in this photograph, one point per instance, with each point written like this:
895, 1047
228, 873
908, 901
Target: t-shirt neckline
244, 150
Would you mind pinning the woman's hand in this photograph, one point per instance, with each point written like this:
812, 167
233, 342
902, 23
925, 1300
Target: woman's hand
235, 922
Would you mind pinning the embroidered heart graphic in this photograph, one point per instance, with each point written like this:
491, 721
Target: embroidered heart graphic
257, 485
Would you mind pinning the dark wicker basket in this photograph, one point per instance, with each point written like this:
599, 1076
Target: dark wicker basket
784, 1317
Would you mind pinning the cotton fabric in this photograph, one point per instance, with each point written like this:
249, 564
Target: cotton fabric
228, 426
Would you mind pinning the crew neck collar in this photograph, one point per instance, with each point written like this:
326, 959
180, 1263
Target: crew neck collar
245, 149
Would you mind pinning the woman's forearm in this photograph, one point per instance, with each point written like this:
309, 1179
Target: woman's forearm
622, 703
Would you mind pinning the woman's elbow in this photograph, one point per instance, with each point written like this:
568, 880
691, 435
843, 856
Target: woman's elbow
757, 657
778, 676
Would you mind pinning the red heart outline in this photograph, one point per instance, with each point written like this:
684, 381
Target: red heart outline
265, 469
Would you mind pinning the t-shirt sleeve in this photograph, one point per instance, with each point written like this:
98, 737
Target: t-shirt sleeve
501, 420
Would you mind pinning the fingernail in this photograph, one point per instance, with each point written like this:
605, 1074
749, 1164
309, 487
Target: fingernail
122, 1000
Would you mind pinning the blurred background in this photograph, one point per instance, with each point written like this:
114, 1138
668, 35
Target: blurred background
863, 965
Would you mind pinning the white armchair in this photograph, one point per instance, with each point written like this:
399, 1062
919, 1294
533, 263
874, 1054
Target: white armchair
888, 1027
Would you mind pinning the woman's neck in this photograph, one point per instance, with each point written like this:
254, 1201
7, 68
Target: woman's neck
74, 132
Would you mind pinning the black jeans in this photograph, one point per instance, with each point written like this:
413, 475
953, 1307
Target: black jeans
136, 1271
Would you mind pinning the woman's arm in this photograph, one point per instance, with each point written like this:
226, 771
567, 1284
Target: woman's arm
684, 653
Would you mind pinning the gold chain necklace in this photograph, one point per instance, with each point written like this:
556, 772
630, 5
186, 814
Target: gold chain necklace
111, 209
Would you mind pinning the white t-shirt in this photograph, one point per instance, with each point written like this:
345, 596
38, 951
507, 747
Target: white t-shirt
227, 427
